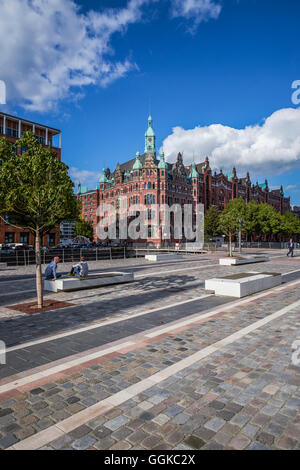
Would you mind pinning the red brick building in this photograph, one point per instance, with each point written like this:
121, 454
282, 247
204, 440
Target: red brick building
148, 180
12, 128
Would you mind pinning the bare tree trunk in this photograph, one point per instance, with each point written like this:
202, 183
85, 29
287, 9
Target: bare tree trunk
230, 245
38, 269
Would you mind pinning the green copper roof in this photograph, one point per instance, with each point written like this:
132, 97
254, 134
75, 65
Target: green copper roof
137, 164
229, 176
262, 186
162, 164
103, 178
194, 173
150, 132
82, 189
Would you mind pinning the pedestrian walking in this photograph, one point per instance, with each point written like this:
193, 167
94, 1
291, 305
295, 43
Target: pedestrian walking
291, 246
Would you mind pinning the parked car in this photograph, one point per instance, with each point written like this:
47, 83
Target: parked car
19, 247
6, 250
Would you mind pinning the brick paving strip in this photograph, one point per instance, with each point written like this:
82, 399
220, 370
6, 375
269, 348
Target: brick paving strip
78, 419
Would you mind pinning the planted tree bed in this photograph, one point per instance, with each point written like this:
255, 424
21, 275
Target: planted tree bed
31, 307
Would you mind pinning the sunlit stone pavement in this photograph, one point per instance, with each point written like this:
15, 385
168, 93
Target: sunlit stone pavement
155, 364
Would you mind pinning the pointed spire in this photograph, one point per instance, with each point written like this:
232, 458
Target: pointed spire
137, 164
150, 138
162, 164
103, 178
194, 173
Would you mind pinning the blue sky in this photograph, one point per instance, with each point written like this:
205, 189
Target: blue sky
199, 63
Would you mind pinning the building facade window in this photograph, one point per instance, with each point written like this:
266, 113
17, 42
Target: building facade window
9, 237
24, 237
51, 238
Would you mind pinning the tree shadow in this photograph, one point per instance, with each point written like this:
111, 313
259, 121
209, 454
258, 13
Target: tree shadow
152, 289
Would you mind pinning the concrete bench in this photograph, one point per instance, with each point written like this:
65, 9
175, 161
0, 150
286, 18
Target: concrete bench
3, 265
239, 261
93, 280
241, 285
163, 257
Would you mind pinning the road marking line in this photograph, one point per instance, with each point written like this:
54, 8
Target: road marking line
67, 425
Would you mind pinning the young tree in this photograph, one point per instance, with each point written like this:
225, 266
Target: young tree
83, 228
231, 218
251, 224
290, 225
269, 220
36, 192
211, 222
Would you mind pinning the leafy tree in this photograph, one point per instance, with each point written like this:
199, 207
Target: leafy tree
36, 192
290, 225
83, 228
211, 222
269, 220
230, 219
251, 224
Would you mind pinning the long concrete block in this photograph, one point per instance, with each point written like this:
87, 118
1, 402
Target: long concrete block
93, 280
239, 261
247, 285
163, 257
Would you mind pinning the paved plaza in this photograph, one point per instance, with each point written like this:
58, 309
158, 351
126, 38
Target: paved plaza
155, 364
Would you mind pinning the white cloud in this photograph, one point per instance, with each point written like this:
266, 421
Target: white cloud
85, 177
270, 148
195, 10
50, 49
291, 186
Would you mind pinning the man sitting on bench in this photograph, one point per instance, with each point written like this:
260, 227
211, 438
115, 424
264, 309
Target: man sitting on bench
81, 269
50, 273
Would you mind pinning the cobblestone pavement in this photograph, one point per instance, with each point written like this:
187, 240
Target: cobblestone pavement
169, 383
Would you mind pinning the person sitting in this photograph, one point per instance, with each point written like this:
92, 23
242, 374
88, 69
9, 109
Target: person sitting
50, 272
81, 269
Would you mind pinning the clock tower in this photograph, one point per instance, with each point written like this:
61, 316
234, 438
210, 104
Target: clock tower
150, 138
